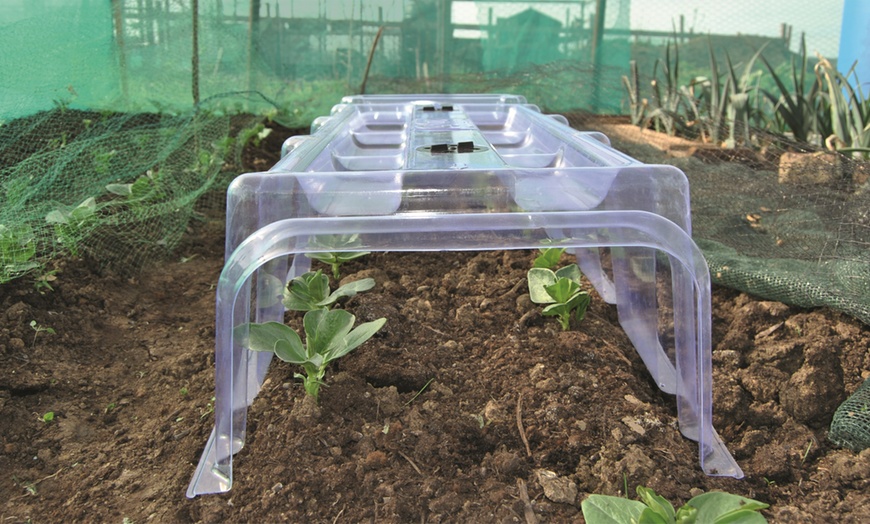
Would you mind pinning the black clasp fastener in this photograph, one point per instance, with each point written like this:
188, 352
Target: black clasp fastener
439, 108
461, 147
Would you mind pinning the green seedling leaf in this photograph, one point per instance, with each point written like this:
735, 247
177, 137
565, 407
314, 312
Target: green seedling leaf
727, 508
85, 210
539, 279
350, 289
336, 259
70, 223
602, 509
649, 516
270, 289
687, 515
562, 290
713, 508
325, 330
571, 272
340, 249
359, 335
657, 505
17, 245
310, 291
328, 337
264, 337
306, 291
549, 257
124, 190
291, 349
145, 188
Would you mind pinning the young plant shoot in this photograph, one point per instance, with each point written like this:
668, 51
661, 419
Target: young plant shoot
70, 223
714, 507
310, 291
328, 336
549, 257
336, 256
561, 291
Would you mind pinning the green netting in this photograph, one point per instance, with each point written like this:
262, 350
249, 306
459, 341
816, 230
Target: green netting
138, 55
120, 187
851, 425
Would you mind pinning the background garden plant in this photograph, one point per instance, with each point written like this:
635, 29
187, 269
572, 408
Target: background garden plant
71, 224
17, 249
822, 109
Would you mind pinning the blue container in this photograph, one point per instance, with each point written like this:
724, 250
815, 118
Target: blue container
855, 41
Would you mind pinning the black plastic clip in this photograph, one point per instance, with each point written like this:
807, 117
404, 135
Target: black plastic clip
461, 147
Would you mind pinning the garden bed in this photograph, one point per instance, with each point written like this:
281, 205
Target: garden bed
453, 413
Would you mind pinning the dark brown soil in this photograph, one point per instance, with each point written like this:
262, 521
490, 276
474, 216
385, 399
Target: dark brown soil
425, 422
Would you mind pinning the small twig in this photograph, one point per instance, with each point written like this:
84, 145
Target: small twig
513, 290
528, 510
362, 88
339, 514
36, 483
443, 334
411, 462
520, 425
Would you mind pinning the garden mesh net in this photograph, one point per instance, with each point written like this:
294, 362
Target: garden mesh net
120, 187
851, 425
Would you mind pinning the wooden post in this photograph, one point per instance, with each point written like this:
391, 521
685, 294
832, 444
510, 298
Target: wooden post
598, 32
597, 52
149, 21
194, 55
118, 18
279, 41
253, 24
166, 25
140, 13
350, 43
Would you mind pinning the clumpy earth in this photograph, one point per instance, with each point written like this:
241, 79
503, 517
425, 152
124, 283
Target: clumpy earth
469, 406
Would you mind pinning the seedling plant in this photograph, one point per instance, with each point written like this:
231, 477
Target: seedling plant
310, 291
341, 250
37, 328
713, 508
329, 333
70, 224
561, 291
145, 189
549, 257
329, 336
17, 250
